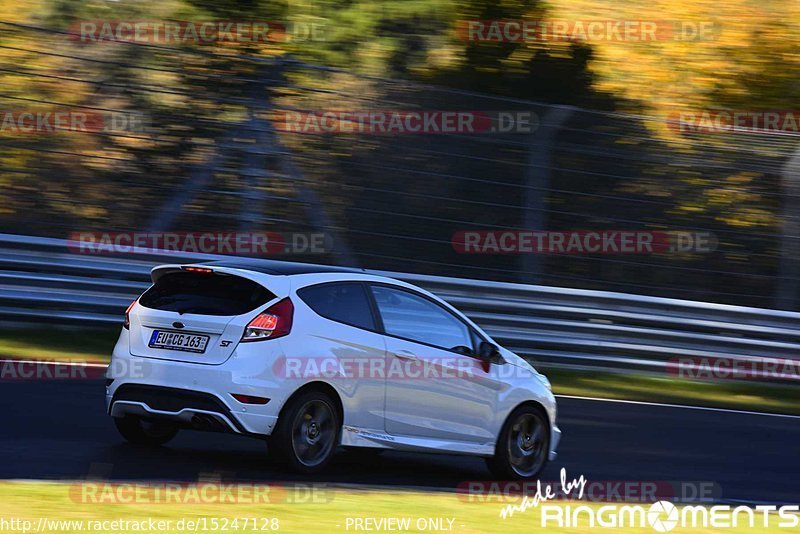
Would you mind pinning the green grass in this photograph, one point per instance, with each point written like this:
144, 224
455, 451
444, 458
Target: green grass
63, 344
60, 501
734, 394
96, 346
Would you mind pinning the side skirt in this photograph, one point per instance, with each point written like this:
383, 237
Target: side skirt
365, 437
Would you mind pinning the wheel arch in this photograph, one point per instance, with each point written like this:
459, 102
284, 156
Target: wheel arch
533, 404
319, 386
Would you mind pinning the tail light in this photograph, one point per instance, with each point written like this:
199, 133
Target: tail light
276, 321
126, 324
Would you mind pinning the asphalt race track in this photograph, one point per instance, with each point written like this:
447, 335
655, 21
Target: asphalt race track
59, 430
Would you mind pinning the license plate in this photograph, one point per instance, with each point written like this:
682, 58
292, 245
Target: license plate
164, 339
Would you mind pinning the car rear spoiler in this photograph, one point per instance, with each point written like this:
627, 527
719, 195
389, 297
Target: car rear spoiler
278, 285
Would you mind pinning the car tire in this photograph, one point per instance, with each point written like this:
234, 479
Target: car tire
523, 446
307, 434
143, 432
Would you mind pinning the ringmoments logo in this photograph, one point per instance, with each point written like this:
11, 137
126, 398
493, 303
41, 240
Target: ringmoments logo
661, 516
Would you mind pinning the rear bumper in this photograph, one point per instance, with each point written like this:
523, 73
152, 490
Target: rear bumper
198, 395
221, 419
190, 409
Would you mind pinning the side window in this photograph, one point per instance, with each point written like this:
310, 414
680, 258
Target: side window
344, 303
416, 318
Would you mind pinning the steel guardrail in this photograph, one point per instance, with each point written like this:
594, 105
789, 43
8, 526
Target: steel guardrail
42, 279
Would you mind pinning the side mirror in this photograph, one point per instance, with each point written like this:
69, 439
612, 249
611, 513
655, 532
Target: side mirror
489, 352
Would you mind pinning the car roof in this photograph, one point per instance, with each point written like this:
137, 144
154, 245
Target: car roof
285, 268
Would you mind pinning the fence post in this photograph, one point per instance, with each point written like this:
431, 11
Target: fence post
538, 177
256, 154
230, 144
201, 175
786, 288
316, 214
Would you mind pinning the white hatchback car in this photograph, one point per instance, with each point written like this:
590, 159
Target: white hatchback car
312, 358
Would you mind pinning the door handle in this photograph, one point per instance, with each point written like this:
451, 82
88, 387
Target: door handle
406, 355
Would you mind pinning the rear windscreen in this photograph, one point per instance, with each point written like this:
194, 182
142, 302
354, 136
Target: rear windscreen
205, 294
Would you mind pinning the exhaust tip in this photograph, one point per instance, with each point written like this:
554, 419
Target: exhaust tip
202, 421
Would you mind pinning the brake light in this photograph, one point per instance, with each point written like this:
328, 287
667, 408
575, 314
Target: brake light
126, 324
204, 270
275, 321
